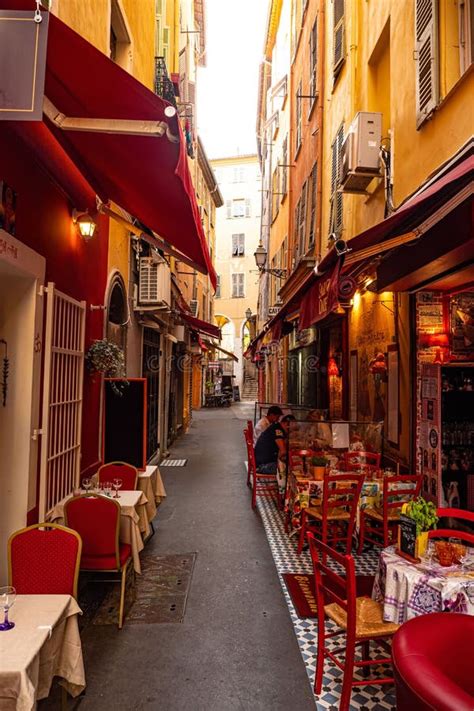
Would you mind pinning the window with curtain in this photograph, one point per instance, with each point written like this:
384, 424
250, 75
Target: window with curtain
238, 245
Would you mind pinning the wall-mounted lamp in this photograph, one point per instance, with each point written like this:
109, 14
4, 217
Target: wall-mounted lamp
85, 224
333, 368
378, 366
260, 255
248, 314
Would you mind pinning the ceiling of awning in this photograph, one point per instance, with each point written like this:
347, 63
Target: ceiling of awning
198, 325
145, 175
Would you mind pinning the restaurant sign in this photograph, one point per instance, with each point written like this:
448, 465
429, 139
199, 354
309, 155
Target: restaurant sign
321, 299
23, 42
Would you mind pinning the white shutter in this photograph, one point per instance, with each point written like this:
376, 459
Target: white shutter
247, 207
148, 281
62, 398
426, 46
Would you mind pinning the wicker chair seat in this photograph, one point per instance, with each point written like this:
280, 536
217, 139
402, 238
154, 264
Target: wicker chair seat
369, 620
334, 513
393, 515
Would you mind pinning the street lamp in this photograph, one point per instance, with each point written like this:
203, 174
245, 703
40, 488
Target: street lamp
260, 255
248, 314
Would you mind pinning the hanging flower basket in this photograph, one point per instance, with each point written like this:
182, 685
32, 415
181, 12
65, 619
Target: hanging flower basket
107, 358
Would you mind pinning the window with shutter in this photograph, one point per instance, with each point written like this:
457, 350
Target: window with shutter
218, 286
338, 38
237, 286
296, 225
312, 218
284, 169
247, 207
298, 117
313, 55
302, 224
238, 245
335, 222
426, 53
466, 34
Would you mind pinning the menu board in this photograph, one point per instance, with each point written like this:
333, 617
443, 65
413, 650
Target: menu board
429, 433
407, 536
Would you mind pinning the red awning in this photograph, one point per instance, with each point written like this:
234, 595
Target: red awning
146, 176
201, 326
321, 298
412, 213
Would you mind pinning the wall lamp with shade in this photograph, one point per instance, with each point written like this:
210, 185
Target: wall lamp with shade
248, 314
85, 224
261, 255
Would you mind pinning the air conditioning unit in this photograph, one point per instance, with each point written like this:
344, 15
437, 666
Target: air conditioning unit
178, 332
194, 306
360, 160
154, 282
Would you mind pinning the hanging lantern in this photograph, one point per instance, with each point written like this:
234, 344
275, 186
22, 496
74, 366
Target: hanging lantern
438, 359
333, 368
378, 365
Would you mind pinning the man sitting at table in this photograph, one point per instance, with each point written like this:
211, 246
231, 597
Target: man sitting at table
273, 415
272, 445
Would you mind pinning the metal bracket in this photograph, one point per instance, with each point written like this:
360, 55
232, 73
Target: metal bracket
36, 434
384, 303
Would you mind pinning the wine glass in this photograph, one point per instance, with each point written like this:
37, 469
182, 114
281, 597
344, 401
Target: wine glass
117, 484
7, 598
87, 483
107, 488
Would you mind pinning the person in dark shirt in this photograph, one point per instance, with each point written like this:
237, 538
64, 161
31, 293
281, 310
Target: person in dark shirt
272, 445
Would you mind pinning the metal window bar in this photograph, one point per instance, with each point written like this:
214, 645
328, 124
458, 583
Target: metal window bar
164, 87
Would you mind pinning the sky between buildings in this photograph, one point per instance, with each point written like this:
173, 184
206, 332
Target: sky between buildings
228, 85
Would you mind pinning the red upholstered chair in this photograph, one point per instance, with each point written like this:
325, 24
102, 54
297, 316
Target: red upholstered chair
367, 463
262, 484
44, 560
358, 618
432, 663
333, 521
119, 470
456, 517
380, 527
97, 520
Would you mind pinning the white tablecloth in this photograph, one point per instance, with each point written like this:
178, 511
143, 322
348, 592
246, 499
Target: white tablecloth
133, 521
151, 484
44, 643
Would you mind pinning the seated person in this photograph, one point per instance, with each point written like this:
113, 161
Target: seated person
273, 415
272, 445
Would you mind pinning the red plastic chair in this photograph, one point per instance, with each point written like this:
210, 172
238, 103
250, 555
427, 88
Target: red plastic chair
381, 527
432, 663
358, 618
119, 470
459, 515
262, 484
334, 520
367, 463
97, 520
44, 559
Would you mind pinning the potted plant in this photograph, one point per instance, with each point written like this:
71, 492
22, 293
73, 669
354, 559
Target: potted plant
424, 514
319, 465
107, 358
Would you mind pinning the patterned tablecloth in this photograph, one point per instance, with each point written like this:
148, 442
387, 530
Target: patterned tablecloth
411, 589
302, 489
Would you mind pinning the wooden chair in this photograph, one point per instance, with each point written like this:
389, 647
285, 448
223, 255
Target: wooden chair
44, 559
248, 435
250, 429
367, 463
262, 484
358, 618
119, 470
97, 520
380, 527
334, 520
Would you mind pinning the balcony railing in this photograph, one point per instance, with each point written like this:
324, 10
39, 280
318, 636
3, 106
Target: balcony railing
164, 87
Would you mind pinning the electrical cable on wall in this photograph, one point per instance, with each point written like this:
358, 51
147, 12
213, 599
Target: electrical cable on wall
5, 369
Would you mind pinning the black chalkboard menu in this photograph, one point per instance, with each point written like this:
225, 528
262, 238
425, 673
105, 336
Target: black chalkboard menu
407, 537
124, 421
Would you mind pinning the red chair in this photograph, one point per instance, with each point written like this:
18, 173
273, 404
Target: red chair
248, 434
97, 520
44, 559
262, 484
367, 463
334, 520
358, 618
119, 470
381, 527
432, 663
458, 515
250, 428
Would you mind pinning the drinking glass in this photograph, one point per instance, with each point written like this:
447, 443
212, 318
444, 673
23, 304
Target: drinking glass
87, 483
107, 488
7, 598
117, 484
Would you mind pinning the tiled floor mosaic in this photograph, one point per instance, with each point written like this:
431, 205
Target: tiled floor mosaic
367, 698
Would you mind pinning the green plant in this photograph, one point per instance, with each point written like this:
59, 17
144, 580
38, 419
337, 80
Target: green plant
106, 357
319, 461
424, 513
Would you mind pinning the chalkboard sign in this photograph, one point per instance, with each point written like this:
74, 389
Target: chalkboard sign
124, 424
407, 537
236, 393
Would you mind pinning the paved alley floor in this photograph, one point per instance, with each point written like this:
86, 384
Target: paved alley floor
236, 648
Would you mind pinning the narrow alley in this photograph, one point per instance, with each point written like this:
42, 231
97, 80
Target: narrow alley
236, 648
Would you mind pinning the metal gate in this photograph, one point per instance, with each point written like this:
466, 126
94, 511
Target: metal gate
62, 398
150, 371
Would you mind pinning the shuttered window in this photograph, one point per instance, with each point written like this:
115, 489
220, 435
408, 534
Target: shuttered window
312, 214
313, 59
302, 222
298, 117
238, 245
426, 54
335, 223
338, 39
284, 169
238, 286
218, 286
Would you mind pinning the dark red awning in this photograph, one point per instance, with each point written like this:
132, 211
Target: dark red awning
412, 213
201, 326
321, 298
146, 176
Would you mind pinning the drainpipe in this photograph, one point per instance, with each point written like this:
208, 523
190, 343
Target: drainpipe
319, 187
353, 59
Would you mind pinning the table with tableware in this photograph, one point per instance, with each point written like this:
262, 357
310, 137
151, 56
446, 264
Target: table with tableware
408, 589
133, 521
151, 483
43, 643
